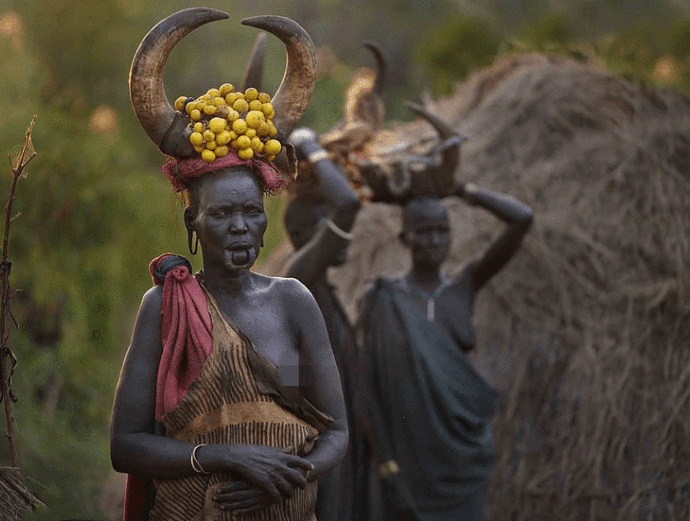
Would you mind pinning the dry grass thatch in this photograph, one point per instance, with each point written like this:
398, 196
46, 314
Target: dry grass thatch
15, 499
586, 333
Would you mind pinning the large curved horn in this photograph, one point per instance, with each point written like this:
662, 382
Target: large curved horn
381, 65
158, 118
295, 90
255, 65
451, 155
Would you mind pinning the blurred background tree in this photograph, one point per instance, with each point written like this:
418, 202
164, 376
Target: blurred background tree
95, 209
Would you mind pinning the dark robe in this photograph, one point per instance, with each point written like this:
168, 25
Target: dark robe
429, 409
338, 499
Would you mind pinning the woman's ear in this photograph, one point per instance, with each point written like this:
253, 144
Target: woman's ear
189, 218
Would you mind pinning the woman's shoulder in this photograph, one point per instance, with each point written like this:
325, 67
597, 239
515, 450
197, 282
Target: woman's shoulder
281, 286
152, 300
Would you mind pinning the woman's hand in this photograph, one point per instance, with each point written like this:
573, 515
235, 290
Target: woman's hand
240, 497
272, 473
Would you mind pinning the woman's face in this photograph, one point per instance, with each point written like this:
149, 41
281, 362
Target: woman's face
229, 218
427, 233
302, 221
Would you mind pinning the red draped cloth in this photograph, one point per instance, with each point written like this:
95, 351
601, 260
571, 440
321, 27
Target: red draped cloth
186, 334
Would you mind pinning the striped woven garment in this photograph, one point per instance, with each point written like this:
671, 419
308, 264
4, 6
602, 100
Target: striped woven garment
233, 400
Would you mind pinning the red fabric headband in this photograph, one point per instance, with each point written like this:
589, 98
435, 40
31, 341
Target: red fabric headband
180, 171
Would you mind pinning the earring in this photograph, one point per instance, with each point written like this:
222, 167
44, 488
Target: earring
189, 242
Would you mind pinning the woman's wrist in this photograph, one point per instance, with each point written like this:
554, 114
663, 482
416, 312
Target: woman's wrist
312, 151
317, 155
468, 192
209, 458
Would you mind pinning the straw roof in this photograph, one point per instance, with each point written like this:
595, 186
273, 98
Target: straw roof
586, 333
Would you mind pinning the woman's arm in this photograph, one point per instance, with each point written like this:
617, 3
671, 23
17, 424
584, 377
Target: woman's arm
323, 249
135, 448
517, 215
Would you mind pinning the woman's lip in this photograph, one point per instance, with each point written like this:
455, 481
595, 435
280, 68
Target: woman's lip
240, 246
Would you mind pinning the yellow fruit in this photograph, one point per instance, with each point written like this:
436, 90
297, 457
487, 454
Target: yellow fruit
257, 144
230, 98
198, 126
196, 139
195, 115
272, 130
206, 97
267, 109
244, 142
233, 115
262, 130
255, 105
211, 145
223, 111
264, 98
199, 149
245, 153
209, 135
240, 106
208, 155
254, 118
224, 137
251, 93
270, 158
239, 126
179, 103
218, 102
210, 110
213, 92
226, 88
190, 107
233, 144
221, 151
240, 95
250, 133
200, 104
217, 125
272, 147
233, 135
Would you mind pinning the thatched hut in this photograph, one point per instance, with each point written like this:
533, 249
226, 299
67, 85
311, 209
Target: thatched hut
586, 333
15, 498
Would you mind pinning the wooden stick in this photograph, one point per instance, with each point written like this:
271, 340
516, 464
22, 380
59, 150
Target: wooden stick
18, 167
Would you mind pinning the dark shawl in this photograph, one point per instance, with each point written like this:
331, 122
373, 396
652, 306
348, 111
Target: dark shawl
338, 496
429, 410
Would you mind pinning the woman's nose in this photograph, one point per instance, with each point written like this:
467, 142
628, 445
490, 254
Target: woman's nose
237, 223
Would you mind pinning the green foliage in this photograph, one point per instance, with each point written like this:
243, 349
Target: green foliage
455, 48
550, 30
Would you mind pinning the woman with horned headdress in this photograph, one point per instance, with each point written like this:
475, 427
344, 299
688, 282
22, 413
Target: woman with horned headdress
229, 398
429, 411
319, 215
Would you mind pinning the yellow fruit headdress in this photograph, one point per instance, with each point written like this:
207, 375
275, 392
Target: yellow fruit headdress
223, 127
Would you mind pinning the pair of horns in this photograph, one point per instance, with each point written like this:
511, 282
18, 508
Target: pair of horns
451, 155
397, 183
166, 127
381, 65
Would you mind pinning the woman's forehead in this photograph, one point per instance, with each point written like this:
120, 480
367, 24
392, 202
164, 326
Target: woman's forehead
228, 185
427, 210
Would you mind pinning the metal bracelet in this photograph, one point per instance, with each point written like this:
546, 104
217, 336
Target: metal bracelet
317, 156
195, 462
469, 192
338, 231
